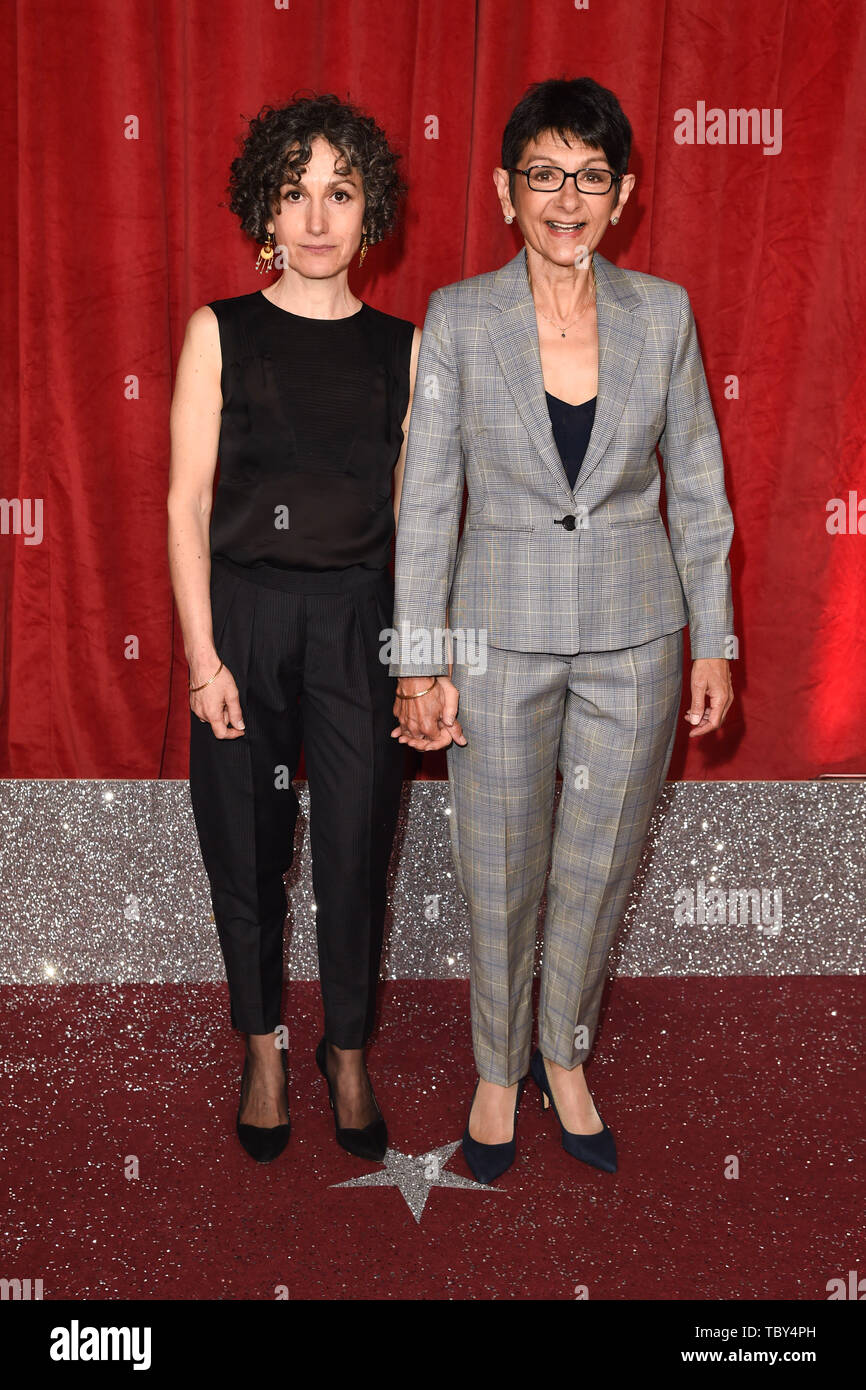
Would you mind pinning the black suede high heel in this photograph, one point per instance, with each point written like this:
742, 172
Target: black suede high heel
262, 1142
489, 1161
599, 1150
371, 1142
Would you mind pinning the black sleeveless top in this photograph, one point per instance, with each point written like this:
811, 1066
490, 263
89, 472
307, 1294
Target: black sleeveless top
310, 433
572, 426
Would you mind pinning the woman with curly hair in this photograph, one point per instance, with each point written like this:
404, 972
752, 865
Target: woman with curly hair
282, 585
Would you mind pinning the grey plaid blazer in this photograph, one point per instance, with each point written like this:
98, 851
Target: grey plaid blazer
539, 566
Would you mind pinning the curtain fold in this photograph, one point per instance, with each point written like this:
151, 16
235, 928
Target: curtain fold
119, 123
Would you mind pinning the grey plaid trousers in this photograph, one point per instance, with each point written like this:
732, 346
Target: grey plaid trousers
608, 718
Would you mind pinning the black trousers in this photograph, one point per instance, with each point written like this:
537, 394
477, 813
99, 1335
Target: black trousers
305, 658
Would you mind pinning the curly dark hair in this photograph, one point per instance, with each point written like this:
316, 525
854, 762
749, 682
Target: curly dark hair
265, 163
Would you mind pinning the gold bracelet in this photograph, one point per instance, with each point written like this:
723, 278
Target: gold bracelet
401, 696
193, 688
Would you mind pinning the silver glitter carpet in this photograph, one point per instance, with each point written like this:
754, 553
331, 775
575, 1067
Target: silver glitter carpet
101, 881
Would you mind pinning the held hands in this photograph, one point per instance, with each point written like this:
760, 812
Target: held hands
711, 685
218, 704
430, 721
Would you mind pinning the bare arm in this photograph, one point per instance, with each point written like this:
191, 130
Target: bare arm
195, 427
401, 461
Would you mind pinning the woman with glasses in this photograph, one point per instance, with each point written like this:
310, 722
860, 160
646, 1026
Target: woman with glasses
283, 586
556, 377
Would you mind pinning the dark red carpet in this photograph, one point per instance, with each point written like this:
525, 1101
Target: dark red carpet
125, 1178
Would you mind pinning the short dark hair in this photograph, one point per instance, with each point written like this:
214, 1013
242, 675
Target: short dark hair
570, 107
265, 163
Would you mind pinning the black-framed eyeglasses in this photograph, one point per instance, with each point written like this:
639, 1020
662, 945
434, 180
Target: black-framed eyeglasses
549, 178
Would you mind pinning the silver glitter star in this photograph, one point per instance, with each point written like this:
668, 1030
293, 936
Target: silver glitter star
415, 1174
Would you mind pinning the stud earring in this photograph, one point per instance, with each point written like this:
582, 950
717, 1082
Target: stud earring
614, 221
509, 219
266, 254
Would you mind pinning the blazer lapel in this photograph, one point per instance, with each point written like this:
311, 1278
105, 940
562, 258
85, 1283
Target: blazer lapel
514, 336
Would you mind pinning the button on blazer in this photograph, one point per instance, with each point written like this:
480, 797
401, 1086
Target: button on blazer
539, 566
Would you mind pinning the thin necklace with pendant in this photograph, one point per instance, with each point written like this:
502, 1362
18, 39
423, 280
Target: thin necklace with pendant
564, 330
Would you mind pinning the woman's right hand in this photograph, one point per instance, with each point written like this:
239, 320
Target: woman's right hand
219, 703
435, 724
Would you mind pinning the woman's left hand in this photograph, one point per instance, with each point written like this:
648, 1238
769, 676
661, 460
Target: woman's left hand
711, 686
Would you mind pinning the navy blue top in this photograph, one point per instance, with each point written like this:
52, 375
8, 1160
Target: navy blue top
572, 426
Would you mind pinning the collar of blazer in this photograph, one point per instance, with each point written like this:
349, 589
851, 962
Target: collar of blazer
514, 335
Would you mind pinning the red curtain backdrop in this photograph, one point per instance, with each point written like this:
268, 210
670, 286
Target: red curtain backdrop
119, 124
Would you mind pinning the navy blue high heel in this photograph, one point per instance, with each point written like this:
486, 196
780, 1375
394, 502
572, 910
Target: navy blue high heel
489, 1161
599, 1150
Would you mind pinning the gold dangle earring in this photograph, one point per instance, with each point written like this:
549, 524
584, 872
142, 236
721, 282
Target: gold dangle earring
266, 254
364, 248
